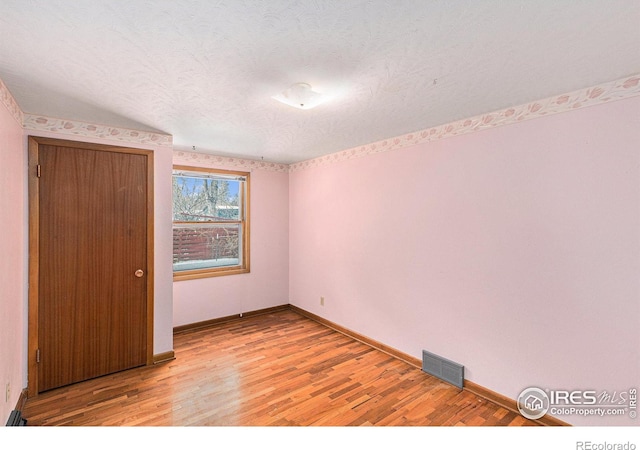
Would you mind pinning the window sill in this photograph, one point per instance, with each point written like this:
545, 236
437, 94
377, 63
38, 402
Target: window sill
208, 273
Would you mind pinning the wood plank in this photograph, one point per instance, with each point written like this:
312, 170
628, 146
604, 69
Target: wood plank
275, 369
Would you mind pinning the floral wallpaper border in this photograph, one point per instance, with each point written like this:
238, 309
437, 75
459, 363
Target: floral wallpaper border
615, 90
78, 128
10, 103
212, 161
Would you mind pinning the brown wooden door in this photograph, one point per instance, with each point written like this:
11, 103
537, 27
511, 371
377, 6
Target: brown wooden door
92, 233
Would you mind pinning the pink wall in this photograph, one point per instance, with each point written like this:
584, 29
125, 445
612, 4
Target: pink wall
514, 251
267, 283
13, 290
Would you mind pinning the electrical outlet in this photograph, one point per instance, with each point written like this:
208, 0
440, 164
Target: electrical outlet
321, 301
8, 393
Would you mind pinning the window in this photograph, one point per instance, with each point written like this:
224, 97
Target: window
210, 222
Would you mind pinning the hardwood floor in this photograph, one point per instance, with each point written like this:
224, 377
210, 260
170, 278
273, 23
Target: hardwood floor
278, 369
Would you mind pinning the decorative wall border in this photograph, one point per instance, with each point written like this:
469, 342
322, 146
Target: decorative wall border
77, 128
614, 90
10, 103
213, 161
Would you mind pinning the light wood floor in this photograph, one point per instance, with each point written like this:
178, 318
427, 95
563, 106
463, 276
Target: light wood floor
274, 369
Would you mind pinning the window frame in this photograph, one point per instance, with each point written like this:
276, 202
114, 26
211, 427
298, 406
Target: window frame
244, 193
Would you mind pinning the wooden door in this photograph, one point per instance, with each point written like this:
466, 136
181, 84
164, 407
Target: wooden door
92, 261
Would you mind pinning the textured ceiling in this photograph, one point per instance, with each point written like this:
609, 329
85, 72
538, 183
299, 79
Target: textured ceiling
204, 71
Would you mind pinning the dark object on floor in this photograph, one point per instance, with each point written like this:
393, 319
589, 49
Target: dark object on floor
16, 420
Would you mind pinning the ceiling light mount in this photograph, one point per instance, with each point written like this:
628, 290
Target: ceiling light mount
301, 96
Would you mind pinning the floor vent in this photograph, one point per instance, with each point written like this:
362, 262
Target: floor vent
442, 368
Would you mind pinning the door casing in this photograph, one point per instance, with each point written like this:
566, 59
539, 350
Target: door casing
34, 195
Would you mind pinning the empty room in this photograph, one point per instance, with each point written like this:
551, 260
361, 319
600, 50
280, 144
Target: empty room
320, 213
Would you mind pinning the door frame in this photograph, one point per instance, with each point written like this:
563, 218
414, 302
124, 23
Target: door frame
34, 243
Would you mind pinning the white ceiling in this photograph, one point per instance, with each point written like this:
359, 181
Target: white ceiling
204, 71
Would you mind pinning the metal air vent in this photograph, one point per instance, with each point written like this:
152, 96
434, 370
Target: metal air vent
443, 368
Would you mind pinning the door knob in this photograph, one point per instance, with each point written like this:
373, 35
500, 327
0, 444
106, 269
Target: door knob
139, 273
